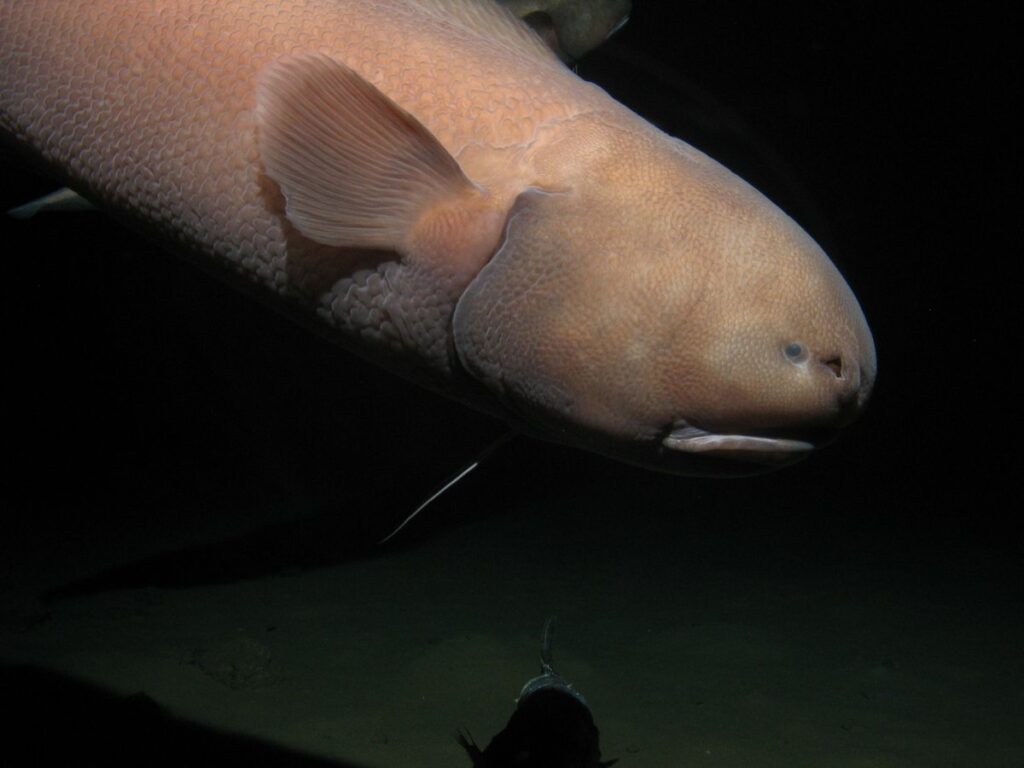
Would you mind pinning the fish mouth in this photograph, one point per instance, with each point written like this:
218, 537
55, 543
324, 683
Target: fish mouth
766, 447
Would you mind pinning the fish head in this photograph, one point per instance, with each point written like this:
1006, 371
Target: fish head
648, 304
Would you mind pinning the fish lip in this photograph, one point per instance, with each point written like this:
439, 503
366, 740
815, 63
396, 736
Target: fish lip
687, 438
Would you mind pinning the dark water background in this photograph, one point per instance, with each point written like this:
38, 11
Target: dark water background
140, 392
885, 133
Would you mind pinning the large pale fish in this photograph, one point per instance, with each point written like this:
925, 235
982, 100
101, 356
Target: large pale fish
427, 184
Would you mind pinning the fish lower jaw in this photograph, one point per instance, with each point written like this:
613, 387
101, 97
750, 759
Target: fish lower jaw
687, 438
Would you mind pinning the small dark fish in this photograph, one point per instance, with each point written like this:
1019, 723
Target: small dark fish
552, 726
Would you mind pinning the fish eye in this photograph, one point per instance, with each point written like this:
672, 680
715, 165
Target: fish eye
795, 352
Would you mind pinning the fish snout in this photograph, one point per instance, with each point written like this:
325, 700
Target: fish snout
850, 385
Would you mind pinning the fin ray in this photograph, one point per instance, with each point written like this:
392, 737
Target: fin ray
355, 168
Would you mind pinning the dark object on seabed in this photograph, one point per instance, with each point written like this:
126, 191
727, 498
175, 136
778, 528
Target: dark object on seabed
551, 727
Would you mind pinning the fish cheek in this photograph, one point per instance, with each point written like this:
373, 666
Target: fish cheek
513, 327
566, 321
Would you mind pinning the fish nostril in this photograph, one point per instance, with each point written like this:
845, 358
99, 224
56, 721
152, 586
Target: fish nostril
835, 364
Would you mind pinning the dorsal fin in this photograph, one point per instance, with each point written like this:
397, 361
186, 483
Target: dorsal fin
495, 23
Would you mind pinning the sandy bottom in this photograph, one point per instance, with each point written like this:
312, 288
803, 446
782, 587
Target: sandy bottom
691, 650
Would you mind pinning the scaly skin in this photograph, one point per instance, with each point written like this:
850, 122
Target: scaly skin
574, 269
148, 109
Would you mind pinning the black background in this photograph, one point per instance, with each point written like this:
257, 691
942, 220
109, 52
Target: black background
136, 384
143, 397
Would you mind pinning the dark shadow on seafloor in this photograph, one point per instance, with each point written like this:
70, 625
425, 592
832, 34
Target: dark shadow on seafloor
52, 719
343, 529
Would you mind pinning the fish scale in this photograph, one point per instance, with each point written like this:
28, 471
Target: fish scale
424, 182
150, 111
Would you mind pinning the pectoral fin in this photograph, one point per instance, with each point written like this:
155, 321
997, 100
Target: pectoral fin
357, 170
64, 199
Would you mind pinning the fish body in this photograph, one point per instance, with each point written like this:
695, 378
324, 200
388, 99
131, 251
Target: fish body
551, 727
150, 110
424, 182
551, 730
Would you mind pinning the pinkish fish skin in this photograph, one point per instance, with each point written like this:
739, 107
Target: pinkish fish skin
424, 182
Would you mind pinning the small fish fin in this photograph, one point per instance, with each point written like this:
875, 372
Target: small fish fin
452, 481
547, 638
466, 741
357, 170
495, 23
63, 200
570, 30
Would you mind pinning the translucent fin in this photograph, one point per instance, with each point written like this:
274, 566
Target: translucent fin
572, 28
465, 739
546, 663
494, 23
476, 462
355, 168
62, 200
